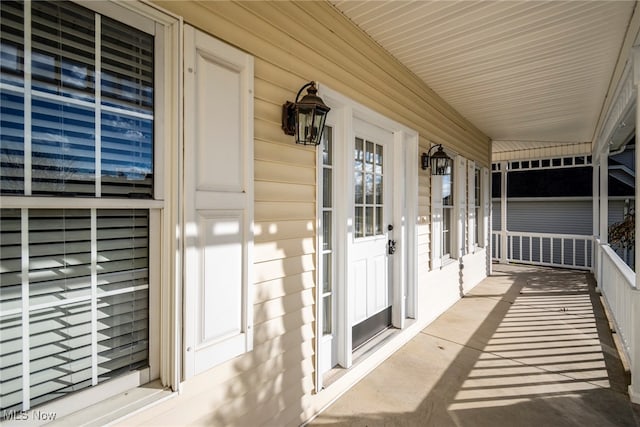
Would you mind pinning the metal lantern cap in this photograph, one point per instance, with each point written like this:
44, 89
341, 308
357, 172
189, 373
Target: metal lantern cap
439, 162
306, 117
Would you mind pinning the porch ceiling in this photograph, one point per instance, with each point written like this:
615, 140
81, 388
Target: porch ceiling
521, 71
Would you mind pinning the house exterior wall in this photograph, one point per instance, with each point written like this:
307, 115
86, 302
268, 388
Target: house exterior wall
293, 43
546, 216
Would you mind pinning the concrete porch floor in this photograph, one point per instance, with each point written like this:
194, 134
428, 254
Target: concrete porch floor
529, 346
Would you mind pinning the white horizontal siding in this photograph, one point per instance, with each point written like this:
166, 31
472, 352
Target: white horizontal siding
496, 215
548, 216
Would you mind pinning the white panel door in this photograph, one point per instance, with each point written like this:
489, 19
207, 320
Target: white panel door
369, 266
218, 198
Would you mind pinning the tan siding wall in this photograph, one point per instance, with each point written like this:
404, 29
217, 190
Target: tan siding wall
424, 216
293, 43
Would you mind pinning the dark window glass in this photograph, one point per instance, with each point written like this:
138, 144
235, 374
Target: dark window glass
496, 185
63, 146
564, 182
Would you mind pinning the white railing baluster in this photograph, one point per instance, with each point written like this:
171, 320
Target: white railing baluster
540, 253
572, 261
564, 261
618, 286
520, 253
510, 253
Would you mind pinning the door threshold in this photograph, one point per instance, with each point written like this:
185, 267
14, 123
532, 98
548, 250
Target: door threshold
361, 353
373, 343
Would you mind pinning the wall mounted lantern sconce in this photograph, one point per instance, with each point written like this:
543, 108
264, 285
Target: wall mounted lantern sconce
305, 118
439, 161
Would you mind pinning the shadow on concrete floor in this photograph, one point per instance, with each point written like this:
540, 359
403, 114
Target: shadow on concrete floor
529, 346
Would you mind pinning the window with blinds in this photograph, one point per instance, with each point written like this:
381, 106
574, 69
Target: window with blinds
447, 214
477, 189
84, 139
76, 121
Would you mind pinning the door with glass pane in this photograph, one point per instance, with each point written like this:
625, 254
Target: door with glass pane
369, 267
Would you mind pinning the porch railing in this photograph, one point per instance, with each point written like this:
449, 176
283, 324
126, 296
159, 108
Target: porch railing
617, 282
555, 250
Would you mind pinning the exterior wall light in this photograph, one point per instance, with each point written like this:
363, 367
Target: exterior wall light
305, 118
439, 161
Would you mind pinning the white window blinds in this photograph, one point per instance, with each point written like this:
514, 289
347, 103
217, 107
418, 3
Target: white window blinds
61, 133
76, 119
86, 300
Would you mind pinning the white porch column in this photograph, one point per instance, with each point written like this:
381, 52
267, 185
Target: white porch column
595, 220
603, 217
634, 388
604, 196
503, 213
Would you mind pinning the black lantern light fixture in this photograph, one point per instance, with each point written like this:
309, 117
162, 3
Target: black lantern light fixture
305, 118
439, 161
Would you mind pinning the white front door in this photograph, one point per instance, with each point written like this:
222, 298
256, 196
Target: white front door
369, 267
367, 174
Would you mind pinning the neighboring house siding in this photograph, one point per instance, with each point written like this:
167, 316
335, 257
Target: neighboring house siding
566, 217
616, 211
550, 216
496, 216
293, 43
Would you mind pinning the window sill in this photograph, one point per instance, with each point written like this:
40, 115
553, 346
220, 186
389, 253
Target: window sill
475, 249
118, 407
447, 262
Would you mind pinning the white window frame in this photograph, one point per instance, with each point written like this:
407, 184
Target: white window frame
325, 349
485, 194
439, 259
163, 277
448, 233
460, 207
479, 207
475, 208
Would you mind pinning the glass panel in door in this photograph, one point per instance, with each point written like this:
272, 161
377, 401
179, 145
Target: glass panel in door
368, 188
